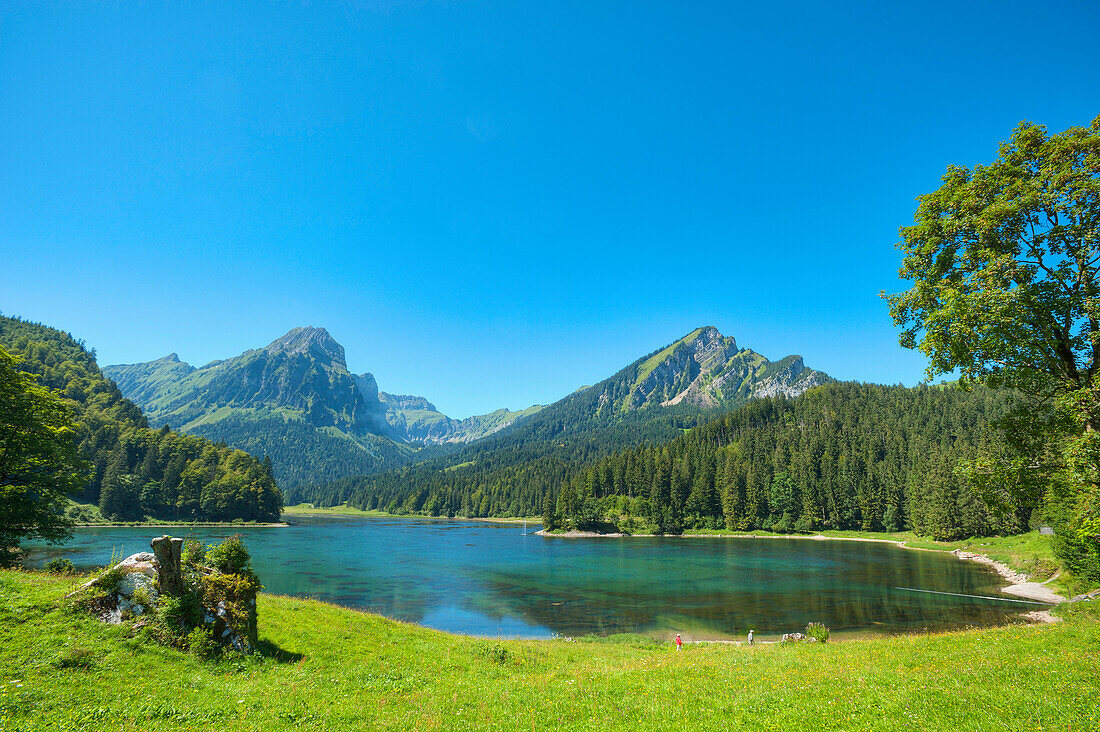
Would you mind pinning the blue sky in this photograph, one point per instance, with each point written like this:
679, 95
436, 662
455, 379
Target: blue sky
491, 204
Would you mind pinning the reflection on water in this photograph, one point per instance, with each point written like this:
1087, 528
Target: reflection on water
491, 579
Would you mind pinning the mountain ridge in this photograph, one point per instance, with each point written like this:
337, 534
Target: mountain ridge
296, 400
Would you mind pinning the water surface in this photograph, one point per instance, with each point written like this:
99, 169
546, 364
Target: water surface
490, 579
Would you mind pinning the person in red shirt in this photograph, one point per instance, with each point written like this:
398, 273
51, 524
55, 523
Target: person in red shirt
679, 642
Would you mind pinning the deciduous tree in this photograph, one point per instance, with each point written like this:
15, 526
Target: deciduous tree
38, 461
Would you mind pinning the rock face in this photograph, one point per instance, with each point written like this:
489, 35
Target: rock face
415, 419
301, 375
708, 370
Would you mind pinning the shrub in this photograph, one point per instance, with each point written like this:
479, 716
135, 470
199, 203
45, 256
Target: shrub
61, 565
231, 557
494, 652
77, 657
805, 524
818, 632
200, 641
194, 554
109, 579
181, 612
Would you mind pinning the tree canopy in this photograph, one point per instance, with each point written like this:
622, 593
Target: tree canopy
1005, 264
38, 461
1004, 261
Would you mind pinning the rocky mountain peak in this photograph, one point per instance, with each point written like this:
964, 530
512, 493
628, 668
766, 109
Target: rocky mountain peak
313, 342
407, 401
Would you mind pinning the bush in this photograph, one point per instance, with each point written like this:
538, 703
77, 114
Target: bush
200, 641
109, 579
181, 612
61, 565
77, 657
194, 554
494, 652
231, 557
818, 632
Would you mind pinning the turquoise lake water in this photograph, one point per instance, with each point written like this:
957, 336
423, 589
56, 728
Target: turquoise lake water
492, 580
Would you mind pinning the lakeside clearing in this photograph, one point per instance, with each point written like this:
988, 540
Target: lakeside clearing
308, 509
327, 667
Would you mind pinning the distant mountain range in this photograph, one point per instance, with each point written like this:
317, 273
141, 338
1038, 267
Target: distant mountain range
296, 401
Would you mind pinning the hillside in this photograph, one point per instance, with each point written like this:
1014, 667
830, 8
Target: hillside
334, 668
652, 400
295, 401
134, 471
841, 456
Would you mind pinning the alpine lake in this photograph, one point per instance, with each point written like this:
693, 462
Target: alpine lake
494, 580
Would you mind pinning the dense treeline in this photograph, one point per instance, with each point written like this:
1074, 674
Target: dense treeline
302, 454
132, 471
520, 454
843, 456
511, 468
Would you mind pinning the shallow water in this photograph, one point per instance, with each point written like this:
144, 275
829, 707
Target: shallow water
492, 580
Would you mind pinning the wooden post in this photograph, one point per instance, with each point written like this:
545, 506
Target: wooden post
168, 552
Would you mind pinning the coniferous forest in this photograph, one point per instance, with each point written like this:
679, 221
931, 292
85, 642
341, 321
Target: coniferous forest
841, 456
134, 472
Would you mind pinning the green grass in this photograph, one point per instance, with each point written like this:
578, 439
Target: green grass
328, 668
308, 509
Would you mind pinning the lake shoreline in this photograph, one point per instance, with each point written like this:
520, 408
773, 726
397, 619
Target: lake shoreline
1019, 583
180, 525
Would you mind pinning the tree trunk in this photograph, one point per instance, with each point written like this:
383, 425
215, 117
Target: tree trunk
168, 551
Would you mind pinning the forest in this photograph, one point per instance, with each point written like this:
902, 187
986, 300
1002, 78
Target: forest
131, 471
840, 456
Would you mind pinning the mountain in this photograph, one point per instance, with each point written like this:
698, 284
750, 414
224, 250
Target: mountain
708, 370
417, 420
842, 456
134, 471
653, 399
293, 400
301, 375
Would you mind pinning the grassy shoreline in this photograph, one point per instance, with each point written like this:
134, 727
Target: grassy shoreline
182, 524
328, 667
308, 509
1031, 553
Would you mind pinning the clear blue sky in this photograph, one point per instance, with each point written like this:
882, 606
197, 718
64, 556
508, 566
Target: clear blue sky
491, 204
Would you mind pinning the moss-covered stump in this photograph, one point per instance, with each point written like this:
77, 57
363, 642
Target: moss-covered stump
194, 596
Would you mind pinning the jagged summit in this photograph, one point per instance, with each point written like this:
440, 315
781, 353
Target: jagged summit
314, 342
708, 369
407, 401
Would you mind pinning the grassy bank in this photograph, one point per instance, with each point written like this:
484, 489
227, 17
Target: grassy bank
89, 515
328, 668
308, 509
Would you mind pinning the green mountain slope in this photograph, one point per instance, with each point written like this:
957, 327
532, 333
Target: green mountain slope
653, 399
134, 471
841, 456
293, 400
